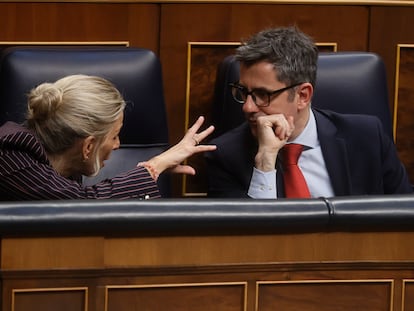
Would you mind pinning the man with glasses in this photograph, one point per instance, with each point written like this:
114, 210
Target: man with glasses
338, 154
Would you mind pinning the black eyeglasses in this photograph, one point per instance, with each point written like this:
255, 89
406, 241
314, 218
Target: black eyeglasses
260, 97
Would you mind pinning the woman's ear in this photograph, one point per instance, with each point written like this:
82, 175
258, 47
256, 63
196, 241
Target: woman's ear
87, 147
305, 95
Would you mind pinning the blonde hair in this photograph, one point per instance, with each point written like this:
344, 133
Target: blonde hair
73, 107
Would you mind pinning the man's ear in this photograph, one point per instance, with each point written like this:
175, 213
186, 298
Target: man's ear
87, 147
305, 95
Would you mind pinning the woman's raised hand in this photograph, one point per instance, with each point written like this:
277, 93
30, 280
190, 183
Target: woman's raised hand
172, 158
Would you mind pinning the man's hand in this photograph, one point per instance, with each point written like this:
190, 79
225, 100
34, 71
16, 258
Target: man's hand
273, 131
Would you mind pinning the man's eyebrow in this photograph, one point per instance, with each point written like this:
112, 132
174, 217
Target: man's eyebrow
254, 89
262, 89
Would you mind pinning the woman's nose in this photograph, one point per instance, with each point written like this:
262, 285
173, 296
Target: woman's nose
117, 144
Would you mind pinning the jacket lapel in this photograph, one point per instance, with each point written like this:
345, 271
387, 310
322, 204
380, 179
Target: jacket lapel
335, 154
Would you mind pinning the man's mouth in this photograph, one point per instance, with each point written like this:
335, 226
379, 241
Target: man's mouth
252, 122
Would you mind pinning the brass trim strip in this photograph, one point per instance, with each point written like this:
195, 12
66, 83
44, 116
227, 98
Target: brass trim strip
327, 281
15, 43
396, 86
305, 2
396, 83
334, 45
404, 282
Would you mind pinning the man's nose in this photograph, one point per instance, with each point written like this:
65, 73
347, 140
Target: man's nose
249, 105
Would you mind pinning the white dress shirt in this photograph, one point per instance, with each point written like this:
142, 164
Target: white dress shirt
311, 162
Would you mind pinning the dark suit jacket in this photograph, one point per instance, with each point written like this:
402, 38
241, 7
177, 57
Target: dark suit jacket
360, 158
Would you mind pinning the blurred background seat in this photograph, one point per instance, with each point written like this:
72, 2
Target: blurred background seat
347, 82
135, 72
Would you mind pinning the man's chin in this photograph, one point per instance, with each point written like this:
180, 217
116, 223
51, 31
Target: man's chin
253, 129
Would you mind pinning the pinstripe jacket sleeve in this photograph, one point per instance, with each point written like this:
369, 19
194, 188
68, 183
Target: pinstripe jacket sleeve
26, 174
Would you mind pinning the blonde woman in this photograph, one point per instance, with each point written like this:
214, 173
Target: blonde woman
71, 128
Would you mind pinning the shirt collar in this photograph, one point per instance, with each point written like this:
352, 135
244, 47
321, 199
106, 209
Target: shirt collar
309, 135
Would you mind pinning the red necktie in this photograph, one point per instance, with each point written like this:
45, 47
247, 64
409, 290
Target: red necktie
295, 184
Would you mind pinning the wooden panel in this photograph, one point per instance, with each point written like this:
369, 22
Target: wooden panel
184, 23
178, 297
403, 107
181, 24
408, 295
207, 250
149, 273
43, 253
372, 295
388, 28
203, 59
50, 299
134, 23
384, 40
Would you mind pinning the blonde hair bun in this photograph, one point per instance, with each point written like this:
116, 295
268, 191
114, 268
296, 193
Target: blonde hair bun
74, 106
43, 102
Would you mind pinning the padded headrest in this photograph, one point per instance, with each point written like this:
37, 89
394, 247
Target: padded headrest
353, 82
135, 72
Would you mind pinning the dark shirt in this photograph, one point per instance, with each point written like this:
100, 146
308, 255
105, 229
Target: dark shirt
26, 174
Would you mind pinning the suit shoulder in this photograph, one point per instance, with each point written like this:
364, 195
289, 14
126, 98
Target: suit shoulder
239, 133
344, 121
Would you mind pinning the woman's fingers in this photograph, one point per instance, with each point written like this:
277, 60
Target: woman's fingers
172, 158
196, 126
183, 169
195, 137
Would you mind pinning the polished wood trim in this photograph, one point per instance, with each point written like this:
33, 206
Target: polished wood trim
65, 43
233, 268
323, 2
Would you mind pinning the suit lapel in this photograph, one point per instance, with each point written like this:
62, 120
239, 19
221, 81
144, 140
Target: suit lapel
335, 154
244, 153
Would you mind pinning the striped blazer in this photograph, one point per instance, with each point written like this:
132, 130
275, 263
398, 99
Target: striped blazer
26, 174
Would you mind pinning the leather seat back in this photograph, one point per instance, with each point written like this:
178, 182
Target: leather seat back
135, 72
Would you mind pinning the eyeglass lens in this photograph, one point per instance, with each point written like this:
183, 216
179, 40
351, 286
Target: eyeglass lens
259, 97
